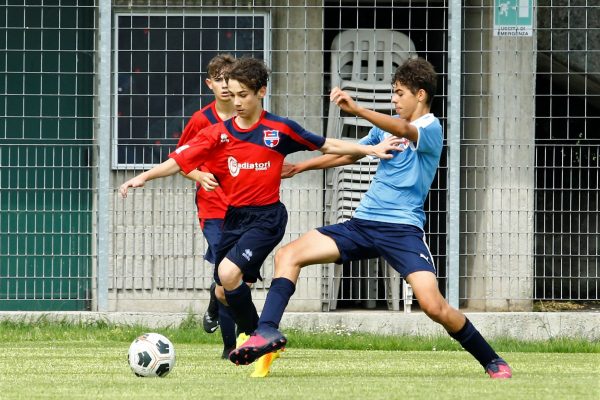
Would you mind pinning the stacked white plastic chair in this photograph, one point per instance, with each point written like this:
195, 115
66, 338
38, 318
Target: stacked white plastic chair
362, 64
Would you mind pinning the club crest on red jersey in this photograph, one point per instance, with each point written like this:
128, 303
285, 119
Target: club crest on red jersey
271, 138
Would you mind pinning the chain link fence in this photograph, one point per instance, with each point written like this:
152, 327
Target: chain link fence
95, 92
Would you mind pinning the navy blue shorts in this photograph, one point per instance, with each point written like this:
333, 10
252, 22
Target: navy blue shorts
212, 229
249, 235
402, 246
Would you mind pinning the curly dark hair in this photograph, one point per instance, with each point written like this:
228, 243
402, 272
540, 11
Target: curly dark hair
219, 64
251, 72
417, 73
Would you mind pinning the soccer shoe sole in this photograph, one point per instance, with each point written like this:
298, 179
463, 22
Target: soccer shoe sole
249, 354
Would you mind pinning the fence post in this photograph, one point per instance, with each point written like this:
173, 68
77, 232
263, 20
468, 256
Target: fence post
103, 54
453, 136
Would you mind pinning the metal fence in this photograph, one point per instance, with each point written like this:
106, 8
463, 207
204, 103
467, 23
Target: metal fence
93, 92
567, 144
47, 185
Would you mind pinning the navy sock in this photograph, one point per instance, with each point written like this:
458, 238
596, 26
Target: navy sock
227, 324
242, 307
277, 300
472, 341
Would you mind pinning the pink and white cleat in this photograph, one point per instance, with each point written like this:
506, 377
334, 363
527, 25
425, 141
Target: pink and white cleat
498, 369
261, 342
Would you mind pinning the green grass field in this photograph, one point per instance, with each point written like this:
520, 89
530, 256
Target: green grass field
52, 361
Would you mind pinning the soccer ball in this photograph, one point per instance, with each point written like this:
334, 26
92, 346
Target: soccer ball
151, 354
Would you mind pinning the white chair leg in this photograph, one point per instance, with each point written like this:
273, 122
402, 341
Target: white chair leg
393, 289
335, 282
407, 294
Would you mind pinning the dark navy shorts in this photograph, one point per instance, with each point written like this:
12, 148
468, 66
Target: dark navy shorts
249, 235
211, 228
402, 246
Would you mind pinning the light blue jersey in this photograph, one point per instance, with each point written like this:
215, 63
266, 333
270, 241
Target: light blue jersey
398, 190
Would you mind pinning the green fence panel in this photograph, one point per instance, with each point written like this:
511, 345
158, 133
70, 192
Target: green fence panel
46, 163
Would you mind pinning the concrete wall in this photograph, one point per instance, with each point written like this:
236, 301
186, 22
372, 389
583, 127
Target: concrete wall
519, 326
498, 141
297, 91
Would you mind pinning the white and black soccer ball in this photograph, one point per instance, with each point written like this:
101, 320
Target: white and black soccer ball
151, 354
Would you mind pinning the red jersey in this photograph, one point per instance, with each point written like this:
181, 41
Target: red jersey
211, 204
247, 162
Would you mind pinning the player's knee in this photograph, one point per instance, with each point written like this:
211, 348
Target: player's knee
285, 256
433, 309
229, 279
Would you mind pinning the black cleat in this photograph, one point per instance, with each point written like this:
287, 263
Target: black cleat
210, 321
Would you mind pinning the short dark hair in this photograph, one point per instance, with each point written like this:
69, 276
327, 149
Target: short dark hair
252, 72
417, 73
219, 64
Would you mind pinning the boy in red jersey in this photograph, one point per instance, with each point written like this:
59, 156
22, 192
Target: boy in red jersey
246, 153
210, 200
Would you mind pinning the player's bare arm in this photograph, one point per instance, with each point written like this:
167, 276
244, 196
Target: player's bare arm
166, 168
331, 160
322, 162
205, 179
288, 170
342, 147
396, 126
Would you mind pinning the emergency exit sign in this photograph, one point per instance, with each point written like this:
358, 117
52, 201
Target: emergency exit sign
513, 17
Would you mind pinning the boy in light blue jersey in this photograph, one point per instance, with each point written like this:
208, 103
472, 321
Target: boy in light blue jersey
389, 222
401, 184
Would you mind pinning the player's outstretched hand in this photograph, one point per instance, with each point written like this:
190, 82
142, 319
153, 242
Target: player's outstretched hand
134, 182
343, 100
288, 170
387, 146
207, 181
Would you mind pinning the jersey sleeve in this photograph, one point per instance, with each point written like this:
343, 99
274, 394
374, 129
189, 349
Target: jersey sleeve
301, 139
195, 152
430, 135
